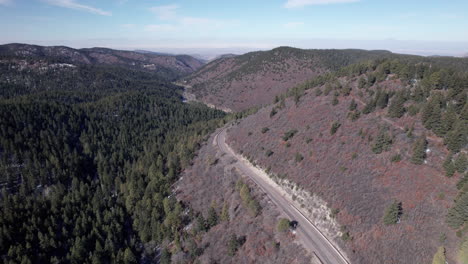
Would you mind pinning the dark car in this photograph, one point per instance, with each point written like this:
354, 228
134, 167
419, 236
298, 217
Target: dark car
293, 224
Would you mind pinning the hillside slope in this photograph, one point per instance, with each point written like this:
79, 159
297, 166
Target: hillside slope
373, 141
255, 78
167, 66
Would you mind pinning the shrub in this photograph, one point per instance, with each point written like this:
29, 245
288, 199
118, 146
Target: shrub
353, 116
439, 257
463, 252
265, 129
335, 100
353, 105
298, 157
283, 225
334, 128
273, 112
288, 135
413, 110
254, 207
334, 212
346, 236
234, 244
268, 153
396, 158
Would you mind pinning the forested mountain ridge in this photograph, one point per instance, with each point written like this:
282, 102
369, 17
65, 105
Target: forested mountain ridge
168, 66
88, 155
255, 78
384, 143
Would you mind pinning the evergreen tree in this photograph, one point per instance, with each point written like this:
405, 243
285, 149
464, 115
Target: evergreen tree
397, 106
461, 163
458, 215
419, 151
393, 213
382, 142
212, 219
448, 165
458, 137
381, 99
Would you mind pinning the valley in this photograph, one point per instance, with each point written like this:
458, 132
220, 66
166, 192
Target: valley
365, 151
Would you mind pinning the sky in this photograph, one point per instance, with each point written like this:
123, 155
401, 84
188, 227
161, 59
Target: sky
430, 27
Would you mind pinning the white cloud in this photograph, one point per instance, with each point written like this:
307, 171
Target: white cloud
72, 4
301, 3
166, 12
5, 2
181, 23
293, 25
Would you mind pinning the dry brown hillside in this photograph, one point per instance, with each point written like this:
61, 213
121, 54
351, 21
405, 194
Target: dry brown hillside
212, 182
361, 161
255, 78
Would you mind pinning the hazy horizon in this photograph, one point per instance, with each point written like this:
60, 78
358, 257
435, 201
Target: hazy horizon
211, 28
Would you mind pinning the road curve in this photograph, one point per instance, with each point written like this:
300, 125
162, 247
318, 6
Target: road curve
311, 237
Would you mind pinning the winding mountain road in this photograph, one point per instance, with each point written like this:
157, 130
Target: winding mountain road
311, 237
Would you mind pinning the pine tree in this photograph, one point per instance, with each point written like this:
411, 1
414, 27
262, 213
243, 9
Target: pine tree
212, 219
129, 257
393, 213
382, 142
418, 94
461, 163
381, 99
457, 138
458, 215
448, 165
449, 118
419, 151
397, 106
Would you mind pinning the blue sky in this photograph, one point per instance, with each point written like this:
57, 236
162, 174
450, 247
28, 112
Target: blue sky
417, 26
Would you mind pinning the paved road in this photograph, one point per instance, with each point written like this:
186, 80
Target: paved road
310, 235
